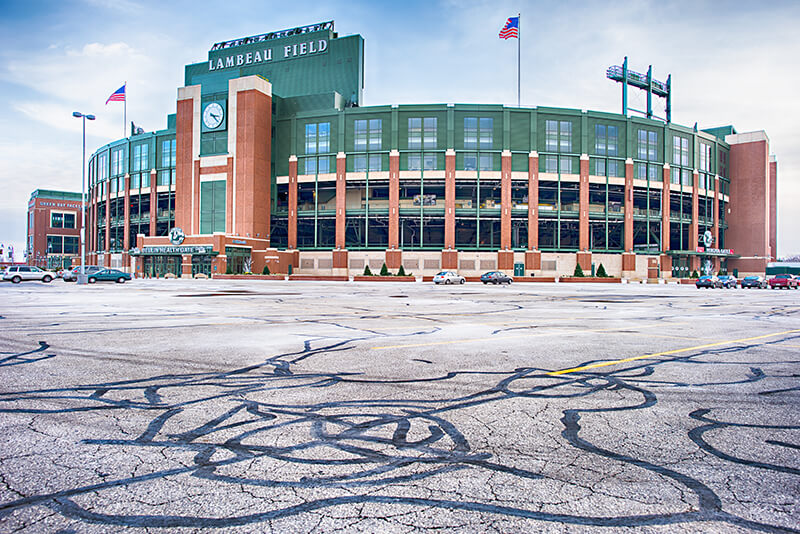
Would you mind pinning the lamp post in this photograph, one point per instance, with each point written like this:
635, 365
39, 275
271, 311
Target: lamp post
84, 118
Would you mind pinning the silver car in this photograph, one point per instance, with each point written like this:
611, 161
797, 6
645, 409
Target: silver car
71, 276
448, 277
18, 273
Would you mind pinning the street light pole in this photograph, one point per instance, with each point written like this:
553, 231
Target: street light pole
83, 117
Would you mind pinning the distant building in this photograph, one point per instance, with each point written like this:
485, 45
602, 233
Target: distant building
271, 159
54, 229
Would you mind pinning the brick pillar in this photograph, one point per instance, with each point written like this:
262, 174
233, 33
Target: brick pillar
341, 191
450, 199
154, 201
126, 237
533, 201
292, 230
107, 244
666, 260
715, 207
505, 201
583, 213
694, 229
187, 148
394, 199
628, 257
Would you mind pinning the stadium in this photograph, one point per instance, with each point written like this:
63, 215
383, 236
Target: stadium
271, 161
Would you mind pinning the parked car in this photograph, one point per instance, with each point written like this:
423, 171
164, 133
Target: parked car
780, 281
496, 277
708, 281
110, 275
71, 276
18, 273
448, 277
729, 281
754, 281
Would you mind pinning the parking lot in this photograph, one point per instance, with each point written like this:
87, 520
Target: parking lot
271, 406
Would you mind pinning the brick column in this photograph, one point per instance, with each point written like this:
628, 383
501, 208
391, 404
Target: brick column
715, 204
126, 237
107, 244
666, 260
187, 148
533, 258
154, 201
628, 257
450, 199
341, 191
505, 200
292, 230
91, 229
394, 199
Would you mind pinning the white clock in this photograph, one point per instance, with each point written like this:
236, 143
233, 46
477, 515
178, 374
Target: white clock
213, 115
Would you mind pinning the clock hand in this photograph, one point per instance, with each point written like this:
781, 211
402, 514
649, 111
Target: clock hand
213, 115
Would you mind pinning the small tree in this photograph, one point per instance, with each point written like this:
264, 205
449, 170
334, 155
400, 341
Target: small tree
601, 272
265, 270
385, 271
578, 271
694, 275
367, 272
401, 272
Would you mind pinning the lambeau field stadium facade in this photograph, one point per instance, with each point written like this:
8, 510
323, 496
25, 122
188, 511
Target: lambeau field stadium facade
271, 160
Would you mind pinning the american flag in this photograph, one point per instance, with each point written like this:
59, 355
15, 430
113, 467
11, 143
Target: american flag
117, 96
511, 29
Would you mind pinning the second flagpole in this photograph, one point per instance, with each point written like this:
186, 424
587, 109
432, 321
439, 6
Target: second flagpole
519, 48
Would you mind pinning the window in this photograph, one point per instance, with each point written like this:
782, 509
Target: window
422, 132
363, 162
613, 168
551, 164
116, 162
478, 132
140, 158
647, 145
167, 153
558, 136
102, 166
605, 140
680, 151
565, 165
317, 165
318, 138
706, 157
62, 220
368, 134
417, 162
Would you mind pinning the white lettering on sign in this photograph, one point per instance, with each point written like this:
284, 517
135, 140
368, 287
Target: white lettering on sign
261, 56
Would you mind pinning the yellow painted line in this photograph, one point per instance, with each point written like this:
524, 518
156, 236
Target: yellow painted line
503, 338
667, 353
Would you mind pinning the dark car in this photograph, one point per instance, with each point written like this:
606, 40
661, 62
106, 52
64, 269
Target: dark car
754, 281
781, 281
728, 281
708, 281
72, 275
111, 275
496, 277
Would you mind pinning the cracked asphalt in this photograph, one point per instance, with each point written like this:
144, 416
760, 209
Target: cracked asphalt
210, 406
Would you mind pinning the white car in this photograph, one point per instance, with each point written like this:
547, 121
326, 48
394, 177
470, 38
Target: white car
18, 273
71, 276
448, 277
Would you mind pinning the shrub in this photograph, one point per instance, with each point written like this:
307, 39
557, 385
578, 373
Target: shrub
578, 271
601, 272
401, 272
266, 270
694, 275
367, 272
385, 270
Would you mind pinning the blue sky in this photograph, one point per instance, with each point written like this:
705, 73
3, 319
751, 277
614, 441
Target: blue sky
731, 63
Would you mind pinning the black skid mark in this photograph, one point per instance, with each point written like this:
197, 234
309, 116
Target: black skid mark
27, 357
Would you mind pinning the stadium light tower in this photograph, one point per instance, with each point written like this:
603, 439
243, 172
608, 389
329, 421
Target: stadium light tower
84, 117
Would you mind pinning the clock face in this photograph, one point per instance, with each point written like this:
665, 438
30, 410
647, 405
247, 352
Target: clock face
213, 115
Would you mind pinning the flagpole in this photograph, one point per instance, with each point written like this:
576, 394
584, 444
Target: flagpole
519, 48
125, 112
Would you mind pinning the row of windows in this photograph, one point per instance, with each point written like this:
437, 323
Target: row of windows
140, 158
63, 244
